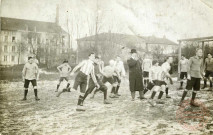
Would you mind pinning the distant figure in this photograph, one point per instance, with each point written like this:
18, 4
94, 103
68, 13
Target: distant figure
208, 68
30, 74
166, 67
135, 75
64, 70
119, 68
194, 75
146, 66
182, 70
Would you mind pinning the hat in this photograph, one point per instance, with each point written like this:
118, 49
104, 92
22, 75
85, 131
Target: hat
133, 51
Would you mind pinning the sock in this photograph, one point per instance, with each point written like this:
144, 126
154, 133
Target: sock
145, 90
85, 95
205, 81
80, 100
160, 95
117, 88
167, 91
181, 83
153, 94
35, 92
133, 95
184, 95
193, 95
68, 84
58, 86
105, 94
113, 90
25, 93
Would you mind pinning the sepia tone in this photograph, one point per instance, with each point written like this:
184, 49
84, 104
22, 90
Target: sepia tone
109, 48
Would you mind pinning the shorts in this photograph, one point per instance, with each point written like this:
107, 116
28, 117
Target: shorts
111, 80
145, 74
117, 79
91, 85
183, 74
63, 78
27, 82
80, 80
155, 83
193, 83
208, 73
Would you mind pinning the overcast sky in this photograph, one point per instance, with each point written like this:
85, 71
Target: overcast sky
173, 18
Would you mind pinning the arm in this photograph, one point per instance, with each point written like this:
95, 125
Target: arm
150, 76
123, 72
59, 68
165, 70
131, 63
78, 66
24, 72
204, 66
202, 69
189, 68
37, 71
69, 68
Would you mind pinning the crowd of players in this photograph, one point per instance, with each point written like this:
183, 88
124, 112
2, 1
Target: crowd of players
144, 75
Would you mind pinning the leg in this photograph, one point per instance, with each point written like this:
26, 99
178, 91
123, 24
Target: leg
103, 88
133, 95
196, 89
189, 85
58, 85
34, 83
167, 92
26, 85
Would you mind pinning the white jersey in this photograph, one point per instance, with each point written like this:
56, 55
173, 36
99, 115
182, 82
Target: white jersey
109, 71
156, 73
166, 67
65, 69
119, 68
88, 67
183, 65
30, 71
147, 64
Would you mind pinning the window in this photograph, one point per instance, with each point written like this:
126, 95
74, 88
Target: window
5, 48
5, 58
13, 58
6, 39
13, 48
13, 39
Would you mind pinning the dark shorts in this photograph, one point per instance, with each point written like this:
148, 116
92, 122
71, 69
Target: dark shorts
117, 79
111, 80
80, 80
27, 82
145, 74
183, 74
193, 83
63, 78
208, 73
91, 85
155, 83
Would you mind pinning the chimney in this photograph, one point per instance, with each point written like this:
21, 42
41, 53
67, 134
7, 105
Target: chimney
57, 15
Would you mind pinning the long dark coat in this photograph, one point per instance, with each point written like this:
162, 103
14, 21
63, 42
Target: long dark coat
135, 75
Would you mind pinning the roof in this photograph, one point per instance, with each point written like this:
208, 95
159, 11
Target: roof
14, 24
200, 39
125, 38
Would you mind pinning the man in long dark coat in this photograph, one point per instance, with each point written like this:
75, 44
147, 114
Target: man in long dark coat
135, 75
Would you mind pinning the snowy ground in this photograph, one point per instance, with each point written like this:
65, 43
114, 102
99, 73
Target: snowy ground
52, 115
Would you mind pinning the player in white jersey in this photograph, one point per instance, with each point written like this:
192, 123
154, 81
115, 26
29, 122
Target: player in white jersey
64, 70
146, 66
157, 83
166, 67
120, 70
109, 74
182, 70
86, 68
30, 74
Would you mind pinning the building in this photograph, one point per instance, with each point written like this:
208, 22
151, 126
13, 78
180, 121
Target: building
111, 44
22, 38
